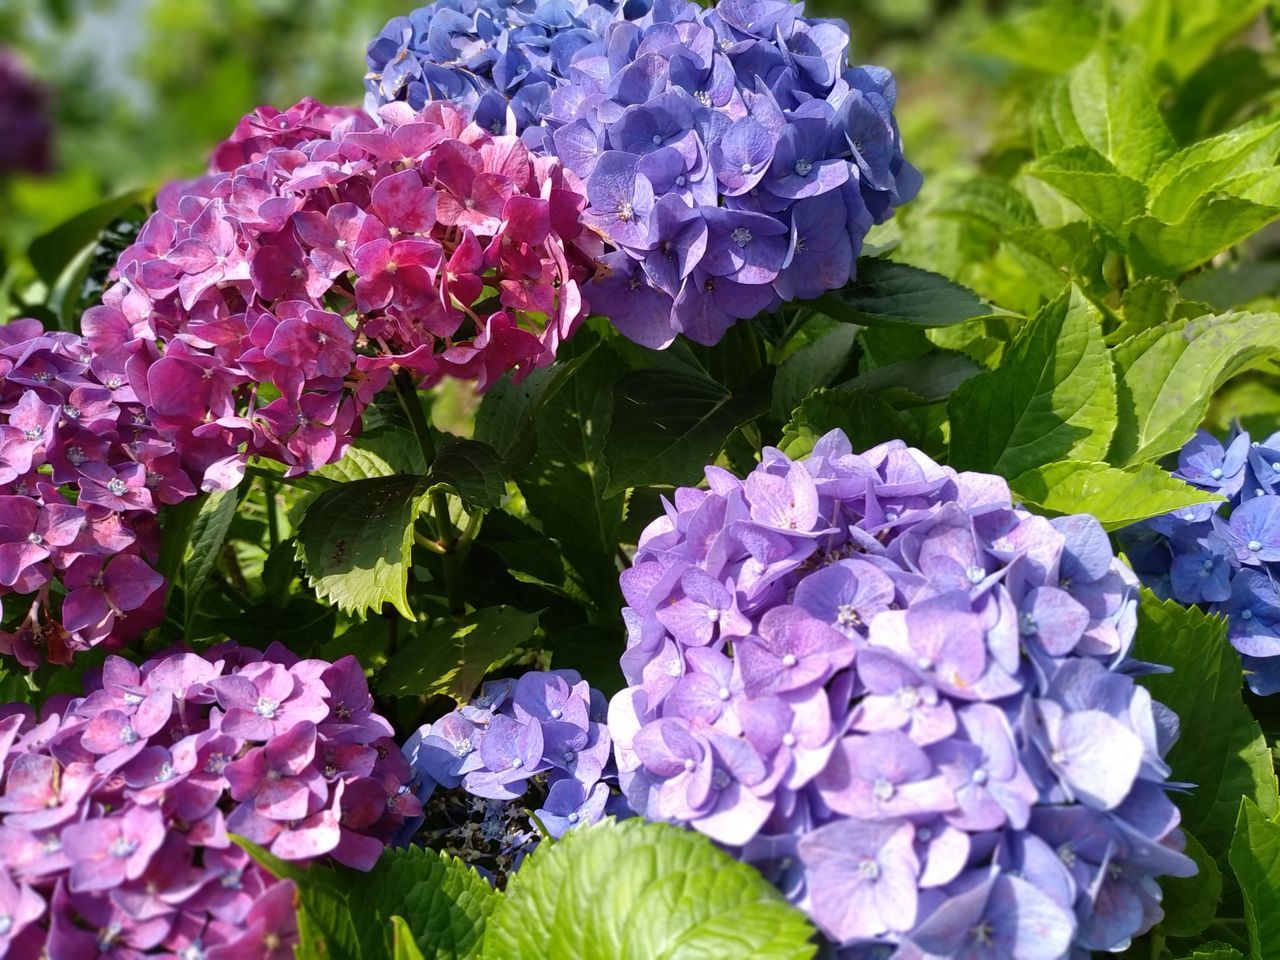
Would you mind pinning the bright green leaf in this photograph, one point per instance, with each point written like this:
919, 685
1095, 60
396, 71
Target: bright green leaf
1116, 497
1208, 166
865, 420
642, 891
452, 658
1052, 397
1051, 37
1182, 34
1213, 224
1088, 179
383, 452
668, 425
442, 904
1222, 749
207, 536
887, 293
1255, 858
355, 542
51, 253
1168, 374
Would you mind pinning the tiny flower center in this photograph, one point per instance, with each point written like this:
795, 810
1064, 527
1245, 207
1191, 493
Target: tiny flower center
741, 236
1216, 473
266, 707
869, 869
625, 212
975, 574
556, 713
1254, 545
123, 847
33, 433
35, 538
723, 693
803, 168
117, 487
883, 790
789, 660
689, 764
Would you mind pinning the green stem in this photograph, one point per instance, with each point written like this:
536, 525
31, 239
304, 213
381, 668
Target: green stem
427, 543
452, 559
798, 320
273, 512
408, 394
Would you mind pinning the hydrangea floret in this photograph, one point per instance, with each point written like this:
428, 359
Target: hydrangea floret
83, 472
264, 305
540, 739
906, 700
117, 806
1223, 557
732, 156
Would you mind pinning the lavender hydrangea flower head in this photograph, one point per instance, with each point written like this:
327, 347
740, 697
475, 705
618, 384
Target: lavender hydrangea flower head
540, 739
116, 806
906, 700
1224, 558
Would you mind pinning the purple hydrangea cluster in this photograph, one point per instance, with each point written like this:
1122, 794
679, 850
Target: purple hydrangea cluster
25, 132
906, 700
117, 806
732, 156
83, 471
1223, 557
540, 737
263, 306
498, 58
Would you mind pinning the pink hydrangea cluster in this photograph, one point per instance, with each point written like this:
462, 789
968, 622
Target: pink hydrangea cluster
264, 305
117, 807
83, 472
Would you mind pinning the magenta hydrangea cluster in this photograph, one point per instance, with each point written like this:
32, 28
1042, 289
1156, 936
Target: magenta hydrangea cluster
545, 730
117, 806
908, 701
263, 306
83, 472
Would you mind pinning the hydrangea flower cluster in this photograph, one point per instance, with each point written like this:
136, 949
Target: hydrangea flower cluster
83, 472
489, 56
542, 738
903, 698
1223, 557
25, 133
116, 806
264, 305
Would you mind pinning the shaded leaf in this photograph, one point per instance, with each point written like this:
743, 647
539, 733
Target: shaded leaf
812, 366
473, 470
929, 378
1190, 903
887, 293
865, 419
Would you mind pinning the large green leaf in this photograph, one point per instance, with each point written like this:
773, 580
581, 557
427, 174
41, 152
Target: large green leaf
887, 293
1255, 858
1116, 497
1209, 165
812, 366
355, 542
1222, 749
642, 891
208, 533
1190, 903
1233, 284
929, 378
443, 902
1088, 179
452, 658
383, 452
51, 253
473, 470
669, 424
865, 419
1107, 103
1168, 374
1212, 224
1052, 397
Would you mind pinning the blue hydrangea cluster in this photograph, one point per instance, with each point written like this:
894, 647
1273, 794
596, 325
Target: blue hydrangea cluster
1225, 556
907, 701
488, 55
541, 739
731, 155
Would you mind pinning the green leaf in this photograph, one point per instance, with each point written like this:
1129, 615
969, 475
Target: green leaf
356, 539
887, 293
1182, 34
442, 904
1255, 858
1213, 224
812, 366
669, 424
383, 452
403, 946
452, 658
1214, 951
1051, 37
929, 378
208, 533
1191, 903
564, 485
1052, 397
1088, 179
642, 891
865, 419
1109, 106
473, 470
1222, 749
1209, 165
51, 253
1116, 497
1168, 374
